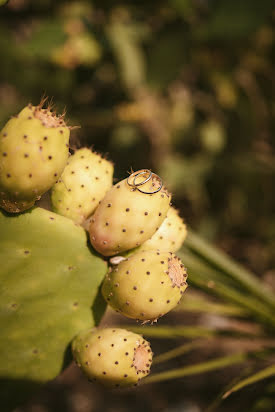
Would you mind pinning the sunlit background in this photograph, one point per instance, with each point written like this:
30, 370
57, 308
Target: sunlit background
185, 88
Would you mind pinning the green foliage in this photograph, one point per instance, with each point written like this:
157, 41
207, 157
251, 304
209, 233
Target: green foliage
49, 282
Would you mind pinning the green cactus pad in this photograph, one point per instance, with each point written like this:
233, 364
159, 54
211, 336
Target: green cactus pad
49, 280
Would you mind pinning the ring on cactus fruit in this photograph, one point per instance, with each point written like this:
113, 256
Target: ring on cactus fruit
154, 191
136, 174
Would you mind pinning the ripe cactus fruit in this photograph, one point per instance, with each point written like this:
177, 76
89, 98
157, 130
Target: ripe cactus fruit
83, 183
146, 285
33, 153
112, 356
129, 214
170, 235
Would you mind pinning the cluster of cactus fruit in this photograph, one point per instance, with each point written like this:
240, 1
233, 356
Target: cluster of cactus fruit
132, 223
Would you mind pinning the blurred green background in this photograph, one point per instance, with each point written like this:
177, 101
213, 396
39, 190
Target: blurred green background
183, 87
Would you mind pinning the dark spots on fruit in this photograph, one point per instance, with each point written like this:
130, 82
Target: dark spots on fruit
70, 267
134, 287
61, 131
14, 305
127, 209
143, 260
82, 157
99, 354
69, 190
109, 205
125, 376
79, 206
127, 303
26, 252
72, 172
160, 237
116, 362
114, 330
86, 167
150, 300
67, 208
5, 154
45, 138
107, 224
93, 199
125, 339
29, 117
168, 301
112, 344
160, 213
96, 178
169, 224
35, 351
118, 186
162, 195
146, 213
51, 218
50, 157
124, 230
148, 273
30, 175
82, 186
126, 353
162, 262
5, 134
116, 285
127, 272
142, 231
100, 161
75, 304
99, 337
158, 253
8, 175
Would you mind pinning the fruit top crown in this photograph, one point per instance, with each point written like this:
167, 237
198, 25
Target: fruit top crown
177, 271
48, 117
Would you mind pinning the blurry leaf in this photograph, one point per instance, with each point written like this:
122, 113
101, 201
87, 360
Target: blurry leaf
183, 7
235, 18
128, 52
80, 49
213, 136
199, 368
166, 56
47, 37
263, 374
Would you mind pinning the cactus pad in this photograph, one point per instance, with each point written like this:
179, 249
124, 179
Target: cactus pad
49, 279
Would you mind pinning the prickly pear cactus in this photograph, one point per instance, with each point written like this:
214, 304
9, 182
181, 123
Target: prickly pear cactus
115, 357
170, 235
146, 285
82, 185
129, 214
49, 280
34, 148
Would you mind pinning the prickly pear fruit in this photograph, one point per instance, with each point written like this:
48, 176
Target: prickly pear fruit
146, 285
170, 235
83, 183
129, 214
33, 153
112, 356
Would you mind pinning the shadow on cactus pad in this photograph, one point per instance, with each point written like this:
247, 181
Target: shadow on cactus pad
49, 283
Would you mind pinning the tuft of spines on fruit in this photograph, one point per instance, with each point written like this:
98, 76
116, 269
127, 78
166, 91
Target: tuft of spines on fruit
114, 357
146, 285
84, 182
129, 214
34, 148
